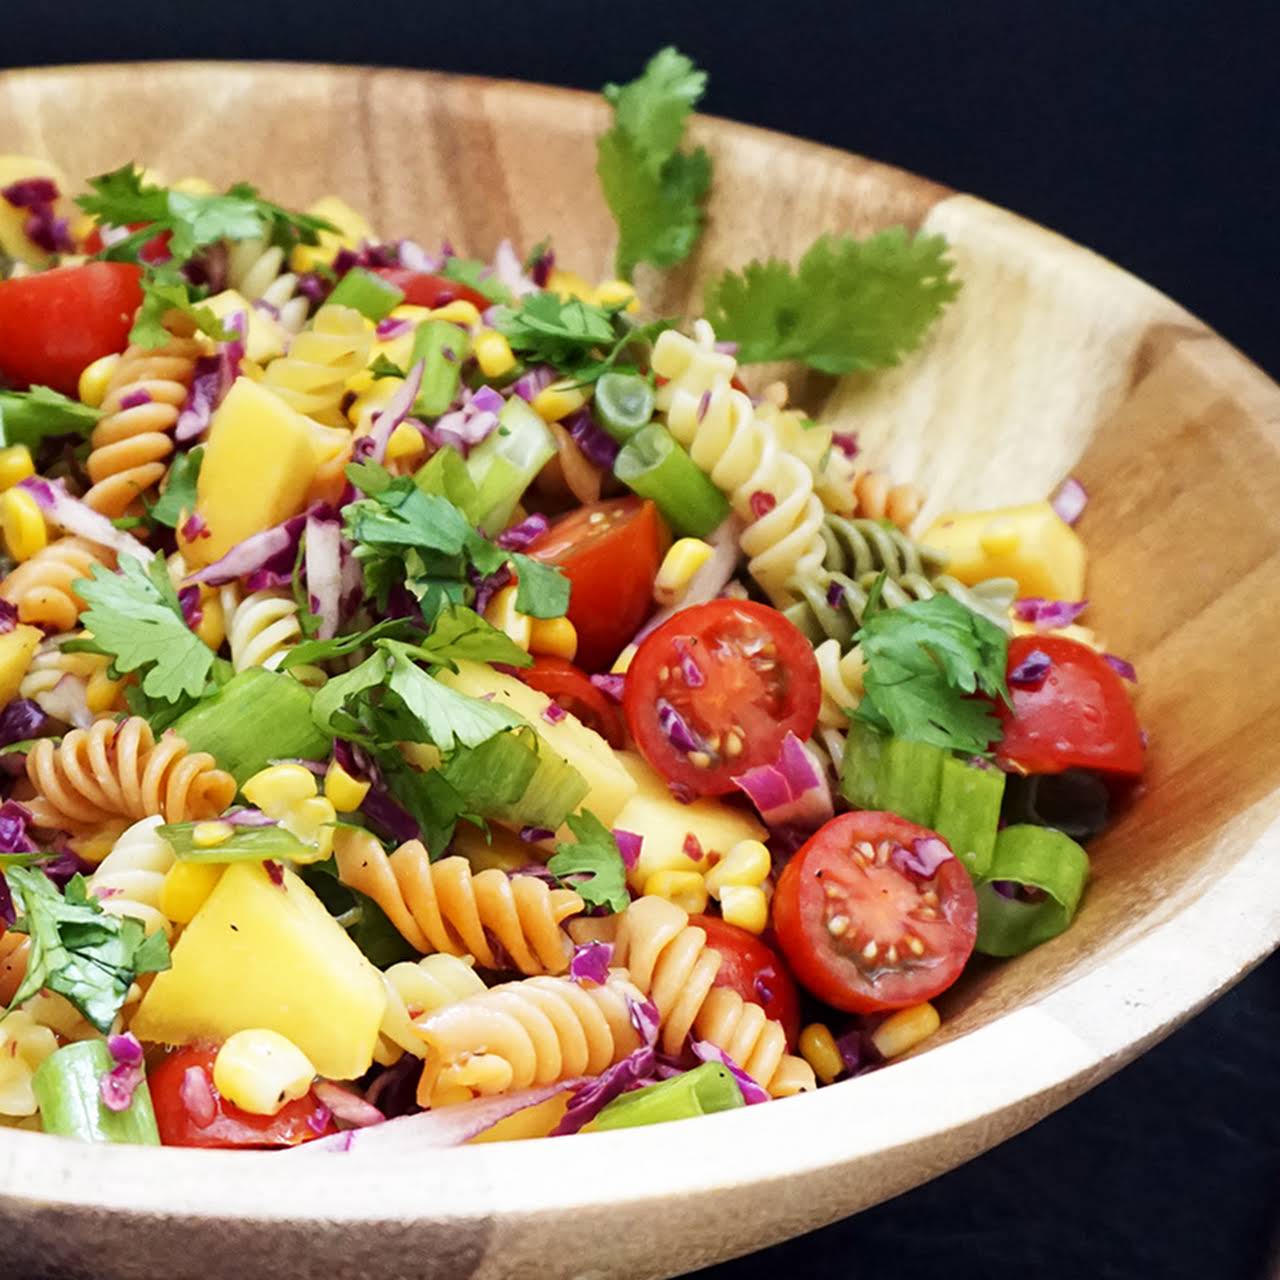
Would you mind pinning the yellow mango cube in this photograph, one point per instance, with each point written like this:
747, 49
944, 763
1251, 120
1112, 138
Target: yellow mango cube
1031, 544
262, 955
258, 465
266, 337
13, 237
352, 228
17, 648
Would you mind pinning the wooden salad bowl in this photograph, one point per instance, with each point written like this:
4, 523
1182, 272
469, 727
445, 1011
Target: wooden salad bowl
1052, 362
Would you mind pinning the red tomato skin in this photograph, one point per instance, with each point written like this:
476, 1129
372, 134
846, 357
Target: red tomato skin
610, 571
230, 1127
799, 911
571, 689
658, 651
421, 289
753, 969
1078, 717
54, 323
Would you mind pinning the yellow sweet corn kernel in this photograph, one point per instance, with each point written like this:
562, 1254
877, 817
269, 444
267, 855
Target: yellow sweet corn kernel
209, 835
556, 637
559, 400
405, 442
311, 820
905, 1029
15, 465
503, 614
493, 353
747, 863
686, 889
276, 789
411, 312
609, 293
746, 906
101, 692
345, 792
818, 1049
185, 888
623, 661
569, 284
260, 1071
94, 379
459, 311
685, 557
25, 531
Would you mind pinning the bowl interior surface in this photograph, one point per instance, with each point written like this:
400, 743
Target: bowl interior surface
1052, 362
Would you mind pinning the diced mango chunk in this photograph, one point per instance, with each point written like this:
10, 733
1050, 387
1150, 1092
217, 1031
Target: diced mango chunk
17, 648
266, 337
262, 955
1031, 543
258, 465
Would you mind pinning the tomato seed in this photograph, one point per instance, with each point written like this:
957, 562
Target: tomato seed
700, 759
917, 947
871, 950
838, 926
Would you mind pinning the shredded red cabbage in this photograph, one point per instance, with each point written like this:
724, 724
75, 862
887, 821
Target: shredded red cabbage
8, 616
553, 713
189, 603
1070, 500
42, 227
116, 1088
250, 817
323, 560
629, 846
1121, 667
213, 378
1031, 670
835, 595
610, 685
541, 265
76, 517
475, 420
373, 447
20, 721
590, 963
674, 728
389, 328
689, 668
646, 1019
791, 792
923, 858
752, 1092
532, 835
273, 551
488, 587
588, 1099
1046, 615
519, 536
597, 445
346, 1106
135, 399
197, 1096
846, 442
528, 385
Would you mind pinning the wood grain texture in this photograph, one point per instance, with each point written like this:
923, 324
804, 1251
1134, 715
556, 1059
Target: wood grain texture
1052, 361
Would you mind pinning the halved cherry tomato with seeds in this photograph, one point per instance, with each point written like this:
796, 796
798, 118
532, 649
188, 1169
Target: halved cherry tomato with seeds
569, 688
870, 918
755, 971
714, 691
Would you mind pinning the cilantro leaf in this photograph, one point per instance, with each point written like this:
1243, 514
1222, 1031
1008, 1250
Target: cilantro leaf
461, 634
310, 652
476, 275
28, 417
382, 367
180, 491
447, 718
543, 590
77, 949
165, 290
851, 305
926, 661
596, 856
135, 617
654, 189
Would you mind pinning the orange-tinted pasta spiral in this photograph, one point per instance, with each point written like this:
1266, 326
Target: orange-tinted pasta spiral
131, 444
122, 770
13, 964
669, 960
503, 921
40, 588
878, 498
531, 1032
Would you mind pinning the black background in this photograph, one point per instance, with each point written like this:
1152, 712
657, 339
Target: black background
1147, 131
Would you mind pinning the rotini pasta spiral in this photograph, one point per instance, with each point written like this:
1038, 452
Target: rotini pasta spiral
520, 1034
770, 488
505, 922
313, 376
121, 770
24, 1045
256, 271
133, 438
41, 588
841, 676
129, 879
261, 629
53, 665
876, 497
13, 963
669, 960
414, 990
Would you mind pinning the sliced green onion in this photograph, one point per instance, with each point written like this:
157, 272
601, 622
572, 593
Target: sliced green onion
623, 404
891, 774
655, 466
370, 295
1048, 864
503, 465
968, 812
442, 347
699, 1092
244, 844
67, 1085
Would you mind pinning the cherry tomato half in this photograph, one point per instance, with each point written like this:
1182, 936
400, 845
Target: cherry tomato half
1078, 717
155, 249
755, 971
569, 688
715, 689
861, 928
295, 1122
610, 552
54, 323
425, 290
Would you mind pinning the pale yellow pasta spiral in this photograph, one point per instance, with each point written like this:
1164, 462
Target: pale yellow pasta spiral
841, 676
535, 1031
261, 629
41, 588
87, 672
505, 922
130, 446
122, 771
24, 1045
129, 880
417, 989
255, 270
745, 459
312, 378
669, 960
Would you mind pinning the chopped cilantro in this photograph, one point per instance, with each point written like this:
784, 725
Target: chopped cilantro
180, 490
28, 417
165, 290
595, 855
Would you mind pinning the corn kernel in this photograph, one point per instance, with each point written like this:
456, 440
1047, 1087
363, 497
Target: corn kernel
352, 229
747, 863
101, 692
208, 835
345, 792
493, 353
609, 293
623, 661
194, 186
556, 637
260, 1071
746, 906
15, 465
276, 789
25, 531
818, 1049
359, 383
311, 820
414, 314
568, 284
559, 400
460, 312
94, 380
373, 399
405, 442
686, 889
503, 614
682, 561
185, 888
905, 1029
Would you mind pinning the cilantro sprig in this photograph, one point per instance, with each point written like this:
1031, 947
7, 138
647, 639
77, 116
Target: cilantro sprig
592, 866
29, 417
165, 289
850, 305
654, 189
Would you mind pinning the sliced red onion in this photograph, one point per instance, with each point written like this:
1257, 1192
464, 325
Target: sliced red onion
197, 1096
629, 846
213, 378
924, 857
195, 526
709, 581
274, 549
1046, 615
1031, 670
319, 1119
189, 603
67, 701
674, 728
1121, 666
324, 572
610, 685
275, 872
8, 617
467, 426
509, 272
373, 447
75, 517
389, 328
519, 536
42, 227
553, 713
856, 1050
597, 445
846, 442
416, 258
646, 1020
752, 1092
793, 791
251, 817
530, 384
1070, 500
14, 819
590, 963
592, 1096
346, 1106
762, 502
